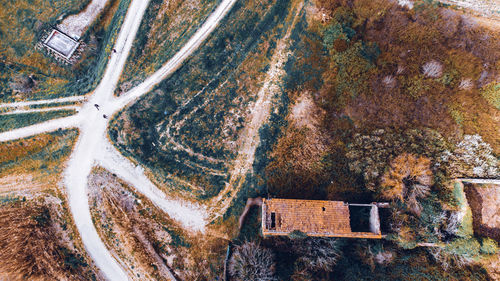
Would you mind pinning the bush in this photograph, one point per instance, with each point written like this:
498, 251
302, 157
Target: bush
252, 262
317, 253
370, 154
472, 157
491, 93
489, 246
432, 69
408, 179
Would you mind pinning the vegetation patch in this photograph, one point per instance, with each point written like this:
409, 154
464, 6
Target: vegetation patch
189, 131
39, 239
39, 155
147, 241
28, 73
396, 111
14, 121
35, 244
165, 28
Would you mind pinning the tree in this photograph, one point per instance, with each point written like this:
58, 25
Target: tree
250, 261
408, 179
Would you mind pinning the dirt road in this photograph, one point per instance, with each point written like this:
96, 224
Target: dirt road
92, 145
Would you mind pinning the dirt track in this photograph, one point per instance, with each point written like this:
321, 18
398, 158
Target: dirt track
93, 145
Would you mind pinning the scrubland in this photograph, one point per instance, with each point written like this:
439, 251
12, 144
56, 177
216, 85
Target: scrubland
31, 73
38, 239
166, 26
390, 104
186, 130
378, 103
151, 245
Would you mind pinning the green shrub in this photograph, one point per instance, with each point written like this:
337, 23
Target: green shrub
466, 248
489, 246
491, 93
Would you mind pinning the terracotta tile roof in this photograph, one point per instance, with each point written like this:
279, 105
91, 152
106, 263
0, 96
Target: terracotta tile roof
313, 217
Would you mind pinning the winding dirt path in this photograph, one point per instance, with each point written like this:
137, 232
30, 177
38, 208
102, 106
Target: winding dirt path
92, 133
260, 112
191, 215
40, 128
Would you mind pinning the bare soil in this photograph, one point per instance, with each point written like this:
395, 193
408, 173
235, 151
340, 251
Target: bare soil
75, 25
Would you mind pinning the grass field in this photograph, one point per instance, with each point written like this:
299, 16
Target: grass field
40, 154
14, 121
204, 104
34, 215
28, 73
166, 26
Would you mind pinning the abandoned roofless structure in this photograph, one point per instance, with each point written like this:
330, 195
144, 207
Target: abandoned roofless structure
61, 44
321, 218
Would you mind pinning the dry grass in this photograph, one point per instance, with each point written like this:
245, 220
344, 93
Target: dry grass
403, 169
22, 148
38, 240
35, 163
36, 246
297, 162
126, 228
148, 242
168, 24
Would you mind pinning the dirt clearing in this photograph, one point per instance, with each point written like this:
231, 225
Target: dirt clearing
75, 25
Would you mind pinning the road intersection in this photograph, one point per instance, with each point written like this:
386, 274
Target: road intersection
93, 146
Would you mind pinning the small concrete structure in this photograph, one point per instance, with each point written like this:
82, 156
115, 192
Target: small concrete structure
61, 44
321, 218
